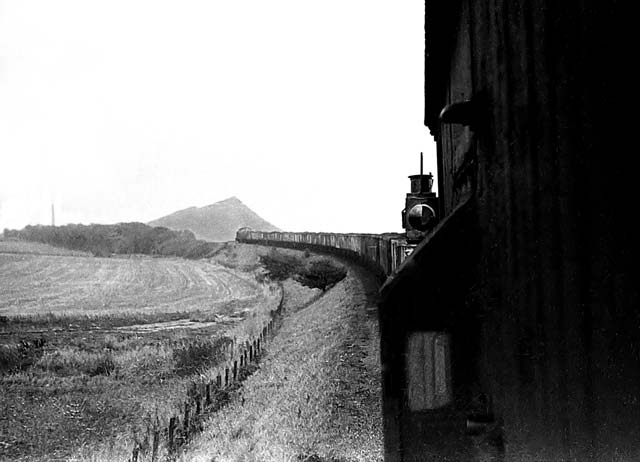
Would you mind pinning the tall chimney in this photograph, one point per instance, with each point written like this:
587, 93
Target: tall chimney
53, 216
421, 173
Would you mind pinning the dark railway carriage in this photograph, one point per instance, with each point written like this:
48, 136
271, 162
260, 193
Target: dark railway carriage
512, 332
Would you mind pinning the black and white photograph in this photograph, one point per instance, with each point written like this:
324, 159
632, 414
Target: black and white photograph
295, 231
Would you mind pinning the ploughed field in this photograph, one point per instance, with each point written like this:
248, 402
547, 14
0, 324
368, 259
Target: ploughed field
94, 349
96, 286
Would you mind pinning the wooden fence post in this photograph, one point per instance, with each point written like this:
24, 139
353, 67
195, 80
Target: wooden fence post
186, 422
207, 392
134, 453
172, 434
155, 444
235, 371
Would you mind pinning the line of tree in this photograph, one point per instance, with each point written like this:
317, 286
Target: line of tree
121, 238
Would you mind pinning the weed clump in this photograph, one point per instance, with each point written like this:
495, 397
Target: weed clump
69, 362
104, 365
193, 356
21, 356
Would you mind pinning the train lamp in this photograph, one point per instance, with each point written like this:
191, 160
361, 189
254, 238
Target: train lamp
421, 205
421, 217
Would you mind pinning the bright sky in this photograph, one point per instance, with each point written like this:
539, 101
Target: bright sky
127, 110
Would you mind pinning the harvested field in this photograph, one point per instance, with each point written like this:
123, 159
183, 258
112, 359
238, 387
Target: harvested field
38, 284
79, 378
93, 349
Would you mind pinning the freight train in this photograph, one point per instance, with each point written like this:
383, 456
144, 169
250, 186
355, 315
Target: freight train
381, 253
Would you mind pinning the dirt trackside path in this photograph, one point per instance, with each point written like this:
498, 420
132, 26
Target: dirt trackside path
317, 394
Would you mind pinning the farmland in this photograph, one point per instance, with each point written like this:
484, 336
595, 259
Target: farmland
90, 348
33, 285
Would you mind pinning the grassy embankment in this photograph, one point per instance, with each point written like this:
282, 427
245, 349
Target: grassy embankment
317, 395
92, 349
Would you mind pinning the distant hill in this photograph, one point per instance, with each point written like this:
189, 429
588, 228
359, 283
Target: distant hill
216, 222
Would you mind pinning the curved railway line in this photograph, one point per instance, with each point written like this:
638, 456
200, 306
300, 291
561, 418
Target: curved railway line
383, 253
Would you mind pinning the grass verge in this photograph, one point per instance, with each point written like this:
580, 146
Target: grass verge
316, 396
